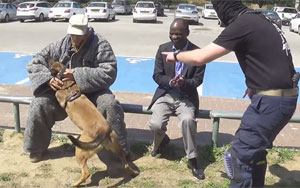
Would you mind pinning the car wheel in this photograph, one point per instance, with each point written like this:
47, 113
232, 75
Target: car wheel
41, 18
114, 18
154, 21
53, 20
21, 20
6, 19
107, 19
299, 29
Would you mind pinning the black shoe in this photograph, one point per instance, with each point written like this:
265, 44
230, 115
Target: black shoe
164, 142
197, 172
130, 157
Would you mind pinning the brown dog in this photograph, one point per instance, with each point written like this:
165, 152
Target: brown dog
96, 134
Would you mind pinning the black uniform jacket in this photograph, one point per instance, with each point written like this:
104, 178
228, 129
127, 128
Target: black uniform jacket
164, 72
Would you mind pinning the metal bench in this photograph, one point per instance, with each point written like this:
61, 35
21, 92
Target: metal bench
215, 115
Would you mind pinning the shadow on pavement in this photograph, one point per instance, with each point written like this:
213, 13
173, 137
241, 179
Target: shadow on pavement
287, 178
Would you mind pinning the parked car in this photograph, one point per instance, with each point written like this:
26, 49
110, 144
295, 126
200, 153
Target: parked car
64, 10
121, 7
209, 12
285, 14
38, 10
273, 16
295, 24
100, 10
144, 11
188, 12
8, 12
160, 8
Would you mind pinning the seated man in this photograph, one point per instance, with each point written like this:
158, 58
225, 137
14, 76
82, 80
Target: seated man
176, 93
92, 64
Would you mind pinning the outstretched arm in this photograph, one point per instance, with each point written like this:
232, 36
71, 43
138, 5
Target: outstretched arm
198, 56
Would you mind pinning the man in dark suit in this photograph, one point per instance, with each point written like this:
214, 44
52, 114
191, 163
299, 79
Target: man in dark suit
176, 93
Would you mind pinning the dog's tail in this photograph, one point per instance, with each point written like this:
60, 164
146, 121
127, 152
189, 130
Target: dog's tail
87, 145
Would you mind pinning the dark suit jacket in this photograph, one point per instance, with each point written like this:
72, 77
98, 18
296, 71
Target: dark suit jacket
164, 72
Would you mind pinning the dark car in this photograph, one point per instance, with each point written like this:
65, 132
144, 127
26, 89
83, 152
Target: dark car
273, 16
160, 9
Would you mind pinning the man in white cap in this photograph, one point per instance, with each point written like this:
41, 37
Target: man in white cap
91, 62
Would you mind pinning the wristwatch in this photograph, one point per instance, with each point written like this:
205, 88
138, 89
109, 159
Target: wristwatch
175, 54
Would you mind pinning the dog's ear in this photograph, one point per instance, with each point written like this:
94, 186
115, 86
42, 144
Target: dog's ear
55, 67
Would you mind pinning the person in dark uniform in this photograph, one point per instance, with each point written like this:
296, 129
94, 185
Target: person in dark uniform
176, 94
265, 59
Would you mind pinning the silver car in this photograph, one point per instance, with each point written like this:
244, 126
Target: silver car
64, 10
121, 7
188, 12
100, 10
8, 12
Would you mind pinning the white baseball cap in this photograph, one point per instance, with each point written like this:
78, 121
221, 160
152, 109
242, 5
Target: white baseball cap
78, 24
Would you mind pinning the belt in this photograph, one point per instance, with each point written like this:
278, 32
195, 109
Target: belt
279, 92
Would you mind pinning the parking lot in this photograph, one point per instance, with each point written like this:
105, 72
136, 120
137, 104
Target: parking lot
127, 38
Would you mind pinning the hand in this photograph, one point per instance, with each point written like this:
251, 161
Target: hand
178, 81
249, 92
169, 57
68, 75
55, 84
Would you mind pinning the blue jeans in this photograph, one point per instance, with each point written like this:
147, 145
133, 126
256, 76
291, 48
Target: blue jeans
265, 117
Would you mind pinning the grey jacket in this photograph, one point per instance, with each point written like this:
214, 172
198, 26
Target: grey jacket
94, 65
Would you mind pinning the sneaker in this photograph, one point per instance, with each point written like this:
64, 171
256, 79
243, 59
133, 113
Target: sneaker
197, 172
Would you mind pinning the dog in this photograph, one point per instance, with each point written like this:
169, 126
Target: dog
96, 134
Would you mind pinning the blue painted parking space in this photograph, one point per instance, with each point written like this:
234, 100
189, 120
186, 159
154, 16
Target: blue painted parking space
224, 80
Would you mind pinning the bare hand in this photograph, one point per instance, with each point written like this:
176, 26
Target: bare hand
68, 75
178, 81
170, 57
55, 84
249, 92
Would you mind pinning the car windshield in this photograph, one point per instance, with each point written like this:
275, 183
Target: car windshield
26, 5
97, 5
1, 5
145, 5
272, 15
187, 7
209, 7
63, 5
117, 3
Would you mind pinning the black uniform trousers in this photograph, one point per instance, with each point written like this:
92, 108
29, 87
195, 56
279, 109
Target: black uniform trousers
261, 123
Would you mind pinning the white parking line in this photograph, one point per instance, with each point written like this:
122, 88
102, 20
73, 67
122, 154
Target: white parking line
23, 81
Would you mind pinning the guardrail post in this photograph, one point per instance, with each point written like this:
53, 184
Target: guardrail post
17, 117
216, 122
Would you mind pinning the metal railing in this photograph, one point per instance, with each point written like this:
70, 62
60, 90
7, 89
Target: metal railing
215, 115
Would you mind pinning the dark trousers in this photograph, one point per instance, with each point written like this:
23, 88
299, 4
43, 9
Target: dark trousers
261, 123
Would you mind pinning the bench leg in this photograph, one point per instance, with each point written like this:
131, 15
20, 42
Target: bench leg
216, 122
17, 117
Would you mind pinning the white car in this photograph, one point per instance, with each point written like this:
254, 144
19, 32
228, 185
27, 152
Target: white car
64, 10
38, 10
144, 10
100, 10
188, 12
285, 14
209, 12
295, 24
8, 12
